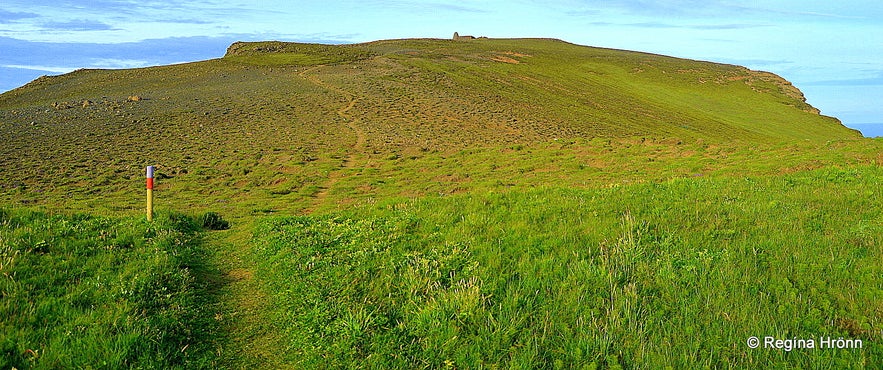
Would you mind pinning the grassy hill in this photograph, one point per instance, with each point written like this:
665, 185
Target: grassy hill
276, 118
483, 203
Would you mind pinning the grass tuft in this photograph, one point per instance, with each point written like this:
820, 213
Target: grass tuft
213, 221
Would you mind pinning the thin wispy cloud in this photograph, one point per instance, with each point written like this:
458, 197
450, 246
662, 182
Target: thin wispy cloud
425, 6
9, 16
113, 63
828, 15
114, 21
870, 81
324, 37
449, 7
794, 11
730, 26
78, 25
196, 21
98, 55
723, 26
52, 69
652, 8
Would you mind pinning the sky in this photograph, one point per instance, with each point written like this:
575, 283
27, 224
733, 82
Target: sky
831, 50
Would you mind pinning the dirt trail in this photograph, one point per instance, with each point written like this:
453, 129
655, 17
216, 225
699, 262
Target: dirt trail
353, 123
251, 337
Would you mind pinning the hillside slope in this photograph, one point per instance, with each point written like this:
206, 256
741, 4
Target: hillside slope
285, 117
441, 93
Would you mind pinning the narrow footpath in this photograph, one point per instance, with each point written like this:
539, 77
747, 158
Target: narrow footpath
354, 124
244, 310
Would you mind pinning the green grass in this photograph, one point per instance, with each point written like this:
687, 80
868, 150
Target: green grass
679, 273
82, 291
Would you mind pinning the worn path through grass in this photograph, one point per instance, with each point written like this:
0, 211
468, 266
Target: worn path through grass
252, 339
352, 122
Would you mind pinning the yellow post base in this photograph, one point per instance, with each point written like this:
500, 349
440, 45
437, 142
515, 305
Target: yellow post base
149, 204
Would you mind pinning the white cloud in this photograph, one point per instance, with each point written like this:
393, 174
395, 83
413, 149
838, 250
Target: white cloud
119, 63
41, 68
99, 63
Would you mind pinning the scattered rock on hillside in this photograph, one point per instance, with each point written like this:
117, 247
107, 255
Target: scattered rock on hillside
62, 105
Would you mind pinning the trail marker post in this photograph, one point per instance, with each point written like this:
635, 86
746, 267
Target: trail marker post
149, 193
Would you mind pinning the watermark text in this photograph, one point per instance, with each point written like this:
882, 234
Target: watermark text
790, 344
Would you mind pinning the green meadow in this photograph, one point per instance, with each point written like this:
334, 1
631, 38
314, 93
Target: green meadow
677, 274
495, 203
82, 291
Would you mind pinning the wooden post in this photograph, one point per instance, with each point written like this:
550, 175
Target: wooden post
149, 193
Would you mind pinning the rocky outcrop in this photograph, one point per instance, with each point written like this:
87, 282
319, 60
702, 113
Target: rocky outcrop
766, 82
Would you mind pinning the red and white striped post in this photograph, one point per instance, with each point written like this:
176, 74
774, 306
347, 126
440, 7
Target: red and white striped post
149, 193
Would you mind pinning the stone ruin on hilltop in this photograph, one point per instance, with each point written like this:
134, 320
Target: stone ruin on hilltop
457, 37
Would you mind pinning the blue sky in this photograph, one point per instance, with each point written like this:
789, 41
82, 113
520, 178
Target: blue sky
832, 50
